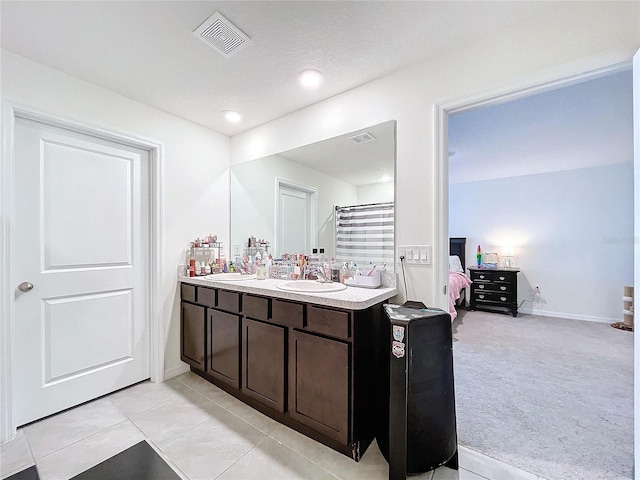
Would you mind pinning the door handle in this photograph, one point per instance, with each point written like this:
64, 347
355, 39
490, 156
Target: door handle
25, 287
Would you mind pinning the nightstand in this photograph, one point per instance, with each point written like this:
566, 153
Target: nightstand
494, 290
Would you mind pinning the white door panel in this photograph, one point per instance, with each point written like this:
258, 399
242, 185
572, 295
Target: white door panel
294, 213
85, 333
76, 181
81, 238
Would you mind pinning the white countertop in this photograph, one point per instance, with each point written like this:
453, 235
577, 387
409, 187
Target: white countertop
353, 298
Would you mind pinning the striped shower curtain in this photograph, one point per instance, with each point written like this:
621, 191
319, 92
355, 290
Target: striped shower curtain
364, 234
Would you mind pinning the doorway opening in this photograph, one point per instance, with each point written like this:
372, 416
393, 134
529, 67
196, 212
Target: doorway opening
444, 151
296, 218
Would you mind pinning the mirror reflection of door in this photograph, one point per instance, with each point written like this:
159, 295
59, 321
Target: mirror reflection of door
295, 218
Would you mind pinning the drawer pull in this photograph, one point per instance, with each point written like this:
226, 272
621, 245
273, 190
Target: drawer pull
480, 286
482, 276
480, 297
504, 299
502, 278
503, 288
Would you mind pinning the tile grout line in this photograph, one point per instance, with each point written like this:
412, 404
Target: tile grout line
23, 467
81, 439
141, 411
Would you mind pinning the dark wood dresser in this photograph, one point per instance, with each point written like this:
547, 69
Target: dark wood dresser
494, 290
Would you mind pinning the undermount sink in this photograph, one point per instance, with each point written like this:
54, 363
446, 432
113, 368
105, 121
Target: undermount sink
310, 286
233, 276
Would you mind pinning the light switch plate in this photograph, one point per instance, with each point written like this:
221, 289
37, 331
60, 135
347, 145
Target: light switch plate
414, 254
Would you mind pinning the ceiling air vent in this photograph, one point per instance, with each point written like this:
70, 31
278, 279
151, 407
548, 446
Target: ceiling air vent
222, 35
363, 138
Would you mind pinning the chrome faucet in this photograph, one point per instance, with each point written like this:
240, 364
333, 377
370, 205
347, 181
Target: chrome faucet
322, 275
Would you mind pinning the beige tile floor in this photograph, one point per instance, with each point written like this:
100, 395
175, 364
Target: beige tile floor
204, 434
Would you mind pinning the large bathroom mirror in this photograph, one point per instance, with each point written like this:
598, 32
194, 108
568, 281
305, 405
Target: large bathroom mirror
289, 200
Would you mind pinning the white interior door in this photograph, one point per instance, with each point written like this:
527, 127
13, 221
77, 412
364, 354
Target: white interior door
636, 269
295, 218
81, 241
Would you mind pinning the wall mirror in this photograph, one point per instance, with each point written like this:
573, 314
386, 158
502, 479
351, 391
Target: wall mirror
289, 199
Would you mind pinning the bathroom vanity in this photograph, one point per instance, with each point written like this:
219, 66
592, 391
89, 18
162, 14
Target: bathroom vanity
307, 360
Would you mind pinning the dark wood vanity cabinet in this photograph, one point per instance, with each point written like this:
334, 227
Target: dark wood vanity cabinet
319, 389
307, 366
192, 335
263, 363
223, 347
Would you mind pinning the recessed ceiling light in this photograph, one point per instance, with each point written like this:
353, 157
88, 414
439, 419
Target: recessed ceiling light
232, 115
310, 78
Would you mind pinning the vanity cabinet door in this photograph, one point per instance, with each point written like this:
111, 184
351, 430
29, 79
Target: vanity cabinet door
319, 390
192, 335
263, 363
223, 342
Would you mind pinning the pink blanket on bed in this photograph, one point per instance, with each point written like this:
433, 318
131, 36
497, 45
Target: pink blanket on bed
457, 281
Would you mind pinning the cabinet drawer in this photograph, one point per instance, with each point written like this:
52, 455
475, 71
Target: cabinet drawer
493, 297
481, 276
504, 277
188, 292
255, 307
229, 301
493, 287
287, 313
328, 322
206, 297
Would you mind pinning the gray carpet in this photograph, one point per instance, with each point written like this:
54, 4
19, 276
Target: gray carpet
551, 396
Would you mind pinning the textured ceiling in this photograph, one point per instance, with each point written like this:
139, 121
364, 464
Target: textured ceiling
588, 124
145, 50
355, 163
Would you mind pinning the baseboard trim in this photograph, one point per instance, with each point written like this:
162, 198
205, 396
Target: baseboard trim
175, 371
569, 316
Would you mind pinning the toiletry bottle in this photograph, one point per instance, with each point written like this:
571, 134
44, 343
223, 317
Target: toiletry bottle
335, 271
479, 256
344, 272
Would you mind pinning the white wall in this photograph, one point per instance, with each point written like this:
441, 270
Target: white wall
539, 50
253, 196
195, 165
571, 232
376, 193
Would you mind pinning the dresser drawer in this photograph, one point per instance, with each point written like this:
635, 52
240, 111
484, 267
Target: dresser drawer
507, 277
493, 297
480, 277
328, 322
